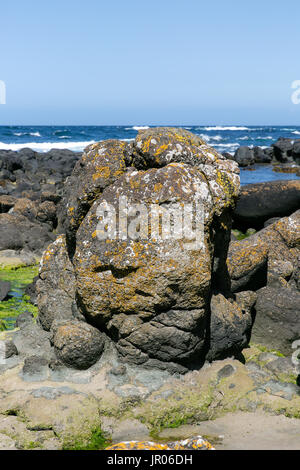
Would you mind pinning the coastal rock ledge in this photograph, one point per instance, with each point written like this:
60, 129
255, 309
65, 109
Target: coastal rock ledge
147, 297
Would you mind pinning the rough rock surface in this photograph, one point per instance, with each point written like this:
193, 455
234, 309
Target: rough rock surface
42, 412
277, 321
18, 232
230, 328
269, 254
261, 201
56, 285
244, 156
269, 263
5, 287
149, 294
77, 344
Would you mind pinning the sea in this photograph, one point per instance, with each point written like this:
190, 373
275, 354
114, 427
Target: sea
223, 138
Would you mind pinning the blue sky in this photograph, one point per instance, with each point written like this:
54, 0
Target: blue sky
157, 62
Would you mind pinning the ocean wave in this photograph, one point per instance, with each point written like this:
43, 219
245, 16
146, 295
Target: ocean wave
136, 128
60, 131
34, 134
46, 146
207, 138
226, 128
296, 132
227, 145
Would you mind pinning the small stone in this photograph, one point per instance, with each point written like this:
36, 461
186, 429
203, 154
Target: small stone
23, 318
120, 370
78, 344
35, 369
10, 349
226, 371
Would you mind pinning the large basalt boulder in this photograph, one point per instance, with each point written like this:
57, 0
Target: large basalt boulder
77, 344
261, 156
18, 232
150, 294
244, 156
261, 201
277, 321
258, 260
269, 262
230, 327
283, 149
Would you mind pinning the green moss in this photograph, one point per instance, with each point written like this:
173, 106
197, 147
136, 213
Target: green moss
172, 414
262, 348
239, 235
97, 440
287, 378
32, 445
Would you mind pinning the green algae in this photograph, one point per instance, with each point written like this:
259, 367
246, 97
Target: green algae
17, 302
96, 440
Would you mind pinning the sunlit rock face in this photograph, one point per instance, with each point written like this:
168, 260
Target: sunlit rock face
147, 231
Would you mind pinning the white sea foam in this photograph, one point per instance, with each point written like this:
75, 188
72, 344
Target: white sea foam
46, 146
34, 134
226, 128
227, 145
136, 128
211, 137
296, 132
268, 137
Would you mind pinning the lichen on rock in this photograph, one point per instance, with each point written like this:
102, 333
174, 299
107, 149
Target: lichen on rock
149, 293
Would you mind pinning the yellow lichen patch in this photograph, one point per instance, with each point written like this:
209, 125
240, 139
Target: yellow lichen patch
161, 149
101, 172
158, 186
245, 255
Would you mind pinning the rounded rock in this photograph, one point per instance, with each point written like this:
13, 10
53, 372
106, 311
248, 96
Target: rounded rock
78, 344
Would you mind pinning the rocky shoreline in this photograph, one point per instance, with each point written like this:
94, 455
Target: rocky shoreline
148, 334
31, 189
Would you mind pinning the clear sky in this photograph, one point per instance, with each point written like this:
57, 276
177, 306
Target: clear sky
149, 62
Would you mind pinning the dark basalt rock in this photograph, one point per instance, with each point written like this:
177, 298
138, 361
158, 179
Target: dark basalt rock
244, 156
261, 156
262, 201
283, 149
230, 327
77, 344
35, 368
8, 349
5, 287
277, 321
17, 232
267, 257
